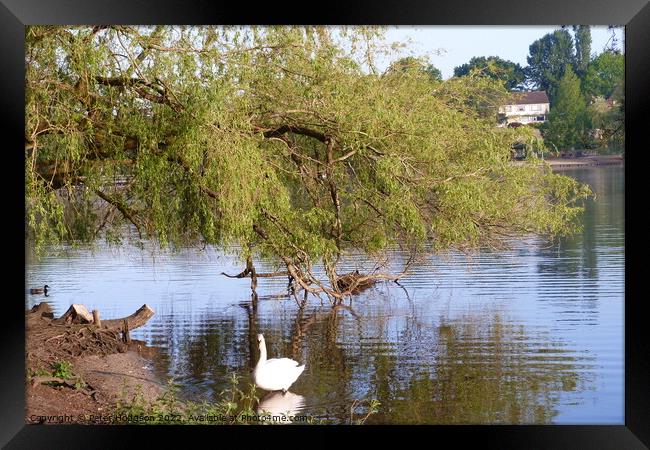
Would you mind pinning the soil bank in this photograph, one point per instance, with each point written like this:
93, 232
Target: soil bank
102, 371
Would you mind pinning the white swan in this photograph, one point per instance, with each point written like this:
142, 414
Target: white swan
275, 374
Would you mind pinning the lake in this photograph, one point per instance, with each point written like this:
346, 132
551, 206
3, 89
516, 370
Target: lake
533, 334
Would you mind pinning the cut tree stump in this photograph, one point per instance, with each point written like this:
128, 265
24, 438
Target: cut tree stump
77, 314
135, 320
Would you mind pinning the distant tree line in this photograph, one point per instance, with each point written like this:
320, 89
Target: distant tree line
586, 90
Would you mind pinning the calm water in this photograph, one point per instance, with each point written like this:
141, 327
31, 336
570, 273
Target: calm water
530, 335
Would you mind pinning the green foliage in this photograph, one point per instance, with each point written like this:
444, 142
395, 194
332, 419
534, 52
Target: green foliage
605, 73
167, 409
571, 122
608, 121
62, 369
582, 35
548, 57
475, 96
235, 407
433, 72
509, 73
280, 141
568, 121
411, 63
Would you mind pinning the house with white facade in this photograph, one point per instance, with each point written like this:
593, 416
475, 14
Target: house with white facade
524, 108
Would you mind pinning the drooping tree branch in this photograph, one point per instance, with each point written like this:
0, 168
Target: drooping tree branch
139, 85
336, 157
336, 203
282, 129
126, 212
344, 286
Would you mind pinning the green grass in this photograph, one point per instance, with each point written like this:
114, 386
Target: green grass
62, 369
373, 408
167, 409
235, 407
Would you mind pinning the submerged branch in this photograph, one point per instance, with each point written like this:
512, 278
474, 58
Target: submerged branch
245, 274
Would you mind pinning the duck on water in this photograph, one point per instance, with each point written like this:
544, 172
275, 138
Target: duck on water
42, 290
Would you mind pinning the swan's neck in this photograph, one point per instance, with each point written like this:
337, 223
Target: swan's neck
262, 354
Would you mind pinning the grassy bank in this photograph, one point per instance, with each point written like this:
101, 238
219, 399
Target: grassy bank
77, 373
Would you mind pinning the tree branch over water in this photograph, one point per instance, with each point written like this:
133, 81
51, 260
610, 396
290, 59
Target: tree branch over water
280, 142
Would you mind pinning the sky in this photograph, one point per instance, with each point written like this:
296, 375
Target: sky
450, 46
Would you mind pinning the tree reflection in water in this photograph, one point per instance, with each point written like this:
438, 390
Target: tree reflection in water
474, 368
482, 371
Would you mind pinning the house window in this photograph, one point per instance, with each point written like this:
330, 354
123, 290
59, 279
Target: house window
521, 108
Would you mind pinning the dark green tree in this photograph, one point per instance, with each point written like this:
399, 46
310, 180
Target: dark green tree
547, 60
568, 121
434, 72
582, 35
512, 75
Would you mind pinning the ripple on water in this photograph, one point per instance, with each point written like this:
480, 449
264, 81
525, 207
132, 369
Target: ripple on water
533, 334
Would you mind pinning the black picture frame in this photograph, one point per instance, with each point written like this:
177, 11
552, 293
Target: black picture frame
634, 14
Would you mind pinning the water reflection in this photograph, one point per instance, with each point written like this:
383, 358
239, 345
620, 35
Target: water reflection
481, 369
474, 368
278, 405
529, 335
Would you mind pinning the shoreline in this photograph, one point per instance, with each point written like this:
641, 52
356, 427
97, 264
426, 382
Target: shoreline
586, 161
558, 163
85, 387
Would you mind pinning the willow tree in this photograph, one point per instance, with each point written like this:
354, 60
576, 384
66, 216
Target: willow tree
287, 143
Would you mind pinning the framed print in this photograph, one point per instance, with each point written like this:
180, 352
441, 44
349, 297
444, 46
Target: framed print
408, 218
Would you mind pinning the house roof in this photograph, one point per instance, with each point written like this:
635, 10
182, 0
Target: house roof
528, 98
